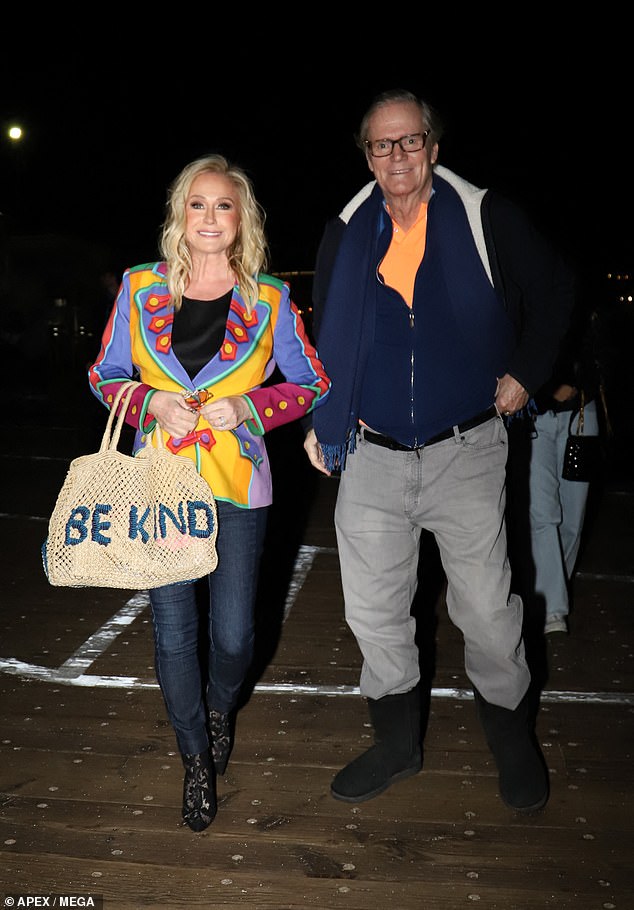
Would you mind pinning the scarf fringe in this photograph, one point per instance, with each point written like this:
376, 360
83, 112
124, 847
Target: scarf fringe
335, 455
525, 413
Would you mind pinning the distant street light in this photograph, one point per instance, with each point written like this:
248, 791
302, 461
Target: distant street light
13, 145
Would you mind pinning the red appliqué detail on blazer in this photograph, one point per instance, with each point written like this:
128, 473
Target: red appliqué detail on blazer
164, 344
238, 331
228, 350
156, 302
244, 316
158, 324
204, 437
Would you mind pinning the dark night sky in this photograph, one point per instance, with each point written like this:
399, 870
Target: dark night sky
104, 139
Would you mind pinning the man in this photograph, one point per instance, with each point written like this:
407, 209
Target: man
437, 309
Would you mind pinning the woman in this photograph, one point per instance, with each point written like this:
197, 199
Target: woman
202, 331
557, 506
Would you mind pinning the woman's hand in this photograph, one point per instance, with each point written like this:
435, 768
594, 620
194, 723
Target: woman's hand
173, 413
565, 392
226, 413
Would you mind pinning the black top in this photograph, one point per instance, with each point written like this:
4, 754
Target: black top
199, 330
584, 361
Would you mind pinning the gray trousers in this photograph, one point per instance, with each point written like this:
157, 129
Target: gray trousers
456, 490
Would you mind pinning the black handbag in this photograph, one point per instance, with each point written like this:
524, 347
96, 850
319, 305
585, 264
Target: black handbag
582, 458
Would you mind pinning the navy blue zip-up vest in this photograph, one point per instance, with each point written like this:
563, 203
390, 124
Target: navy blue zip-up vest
436, 365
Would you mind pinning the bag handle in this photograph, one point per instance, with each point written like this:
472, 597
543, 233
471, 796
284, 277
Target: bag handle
608, 425
581, 418
111, 439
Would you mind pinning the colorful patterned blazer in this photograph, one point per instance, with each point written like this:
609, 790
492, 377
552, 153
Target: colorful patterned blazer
137, 344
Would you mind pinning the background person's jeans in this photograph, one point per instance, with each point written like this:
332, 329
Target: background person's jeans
179, 629
557, 507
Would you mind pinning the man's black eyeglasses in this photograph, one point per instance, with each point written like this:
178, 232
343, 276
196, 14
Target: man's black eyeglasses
381, 148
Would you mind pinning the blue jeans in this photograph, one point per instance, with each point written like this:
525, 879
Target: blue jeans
557, 508
188, 686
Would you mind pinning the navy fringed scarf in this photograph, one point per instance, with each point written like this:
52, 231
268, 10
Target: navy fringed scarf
346, 331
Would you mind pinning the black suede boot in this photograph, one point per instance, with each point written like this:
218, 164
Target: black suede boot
221, 739
199, 791
523, 778
395, 755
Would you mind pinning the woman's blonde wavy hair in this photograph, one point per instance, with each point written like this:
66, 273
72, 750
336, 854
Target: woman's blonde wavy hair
248, 253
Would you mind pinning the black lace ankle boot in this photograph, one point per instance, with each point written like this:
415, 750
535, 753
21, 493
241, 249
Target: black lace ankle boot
199, 791
220, 735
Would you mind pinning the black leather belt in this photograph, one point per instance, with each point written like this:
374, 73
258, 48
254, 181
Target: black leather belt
388, 443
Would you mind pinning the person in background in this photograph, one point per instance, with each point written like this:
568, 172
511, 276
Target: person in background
109, 283
203, 330
557, 507
438, 311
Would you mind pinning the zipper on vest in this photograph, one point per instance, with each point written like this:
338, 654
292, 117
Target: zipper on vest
411, 383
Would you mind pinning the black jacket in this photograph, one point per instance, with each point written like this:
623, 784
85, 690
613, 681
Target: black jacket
536, 285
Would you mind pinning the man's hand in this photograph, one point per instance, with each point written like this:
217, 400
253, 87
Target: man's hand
315, 455
510, 396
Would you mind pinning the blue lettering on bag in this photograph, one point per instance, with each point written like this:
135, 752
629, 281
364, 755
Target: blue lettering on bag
199, 506
136, 524
98, 526
165, 512
77, 526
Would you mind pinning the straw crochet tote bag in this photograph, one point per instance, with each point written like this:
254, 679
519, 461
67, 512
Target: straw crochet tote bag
136, 522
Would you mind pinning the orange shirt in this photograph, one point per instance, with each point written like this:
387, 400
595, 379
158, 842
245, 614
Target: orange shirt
400, 263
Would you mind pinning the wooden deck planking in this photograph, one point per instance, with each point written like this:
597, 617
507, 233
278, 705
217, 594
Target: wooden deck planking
441, 840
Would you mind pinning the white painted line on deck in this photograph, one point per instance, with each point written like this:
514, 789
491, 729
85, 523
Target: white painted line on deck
85, 656
73, 671
303, 564
598, 576
15, 667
